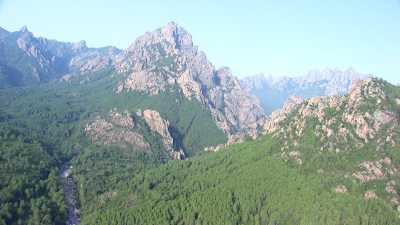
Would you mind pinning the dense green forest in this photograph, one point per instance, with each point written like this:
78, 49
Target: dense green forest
247, 183
41, 127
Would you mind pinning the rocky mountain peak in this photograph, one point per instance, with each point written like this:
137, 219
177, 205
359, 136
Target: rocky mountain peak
169, 37
177, 35
166, 58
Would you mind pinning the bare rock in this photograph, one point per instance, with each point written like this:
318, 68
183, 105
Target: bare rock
161, 126
391, 187
369, 195
158, 125
375, 170
341, 189
273, 123
116, 128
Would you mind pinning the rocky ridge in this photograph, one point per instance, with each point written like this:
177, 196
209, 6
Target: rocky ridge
167, 58
365, 120
45, 60
358, 116
161, 126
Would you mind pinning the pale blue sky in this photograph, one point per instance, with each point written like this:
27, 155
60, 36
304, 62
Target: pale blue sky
285, 37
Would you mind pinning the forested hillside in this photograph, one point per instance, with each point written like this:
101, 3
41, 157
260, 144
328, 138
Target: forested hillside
43, 127
246, 183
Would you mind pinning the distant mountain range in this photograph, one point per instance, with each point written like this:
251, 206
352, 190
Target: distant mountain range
274, 91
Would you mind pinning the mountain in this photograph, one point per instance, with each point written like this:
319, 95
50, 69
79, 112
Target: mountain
356, 136
156, 61
274, 91
28, 60
325, 160
109, 114
130, 133
167, 58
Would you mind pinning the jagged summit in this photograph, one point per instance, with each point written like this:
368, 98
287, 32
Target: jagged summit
166, 58
171, 34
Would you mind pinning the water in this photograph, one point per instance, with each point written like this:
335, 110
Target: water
69, 187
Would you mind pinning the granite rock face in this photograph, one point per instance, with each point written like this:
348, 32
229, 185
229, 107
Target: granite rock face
117, 128
122, 129
161, 126
166, 58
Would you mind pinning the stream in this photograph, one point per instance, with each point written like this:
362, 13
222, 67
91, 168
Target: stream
69, 187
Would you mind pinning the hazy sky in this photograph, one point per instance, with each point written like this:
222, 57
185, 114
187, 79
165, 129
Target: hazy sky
285, 37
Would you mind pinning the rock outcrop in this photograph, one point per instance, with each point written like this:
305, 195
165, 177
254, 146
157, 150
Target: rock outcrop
278, 116
167, 58
161, 127
118, 129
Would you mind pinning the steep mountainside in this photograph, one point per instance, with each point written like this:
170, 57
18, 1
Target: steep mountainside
26, 59
167, 58
355, 136
274, 91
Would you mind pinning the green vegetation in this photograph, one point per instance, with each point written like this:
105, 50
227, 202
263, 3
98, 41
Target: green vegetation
30, 192
244, 184
42, 127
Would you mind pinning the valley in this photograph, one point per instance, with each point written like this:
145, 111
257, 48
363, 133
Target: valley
156, 134
69, 187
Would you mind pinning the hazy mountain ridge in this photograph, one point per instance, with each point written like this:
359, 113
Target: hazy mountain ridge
274, 91
27, 60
